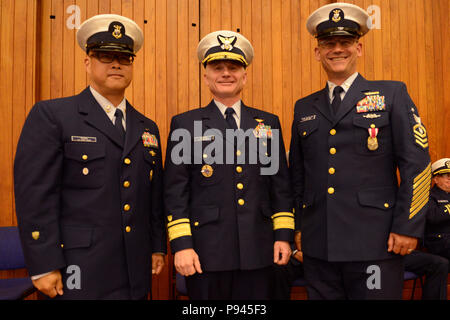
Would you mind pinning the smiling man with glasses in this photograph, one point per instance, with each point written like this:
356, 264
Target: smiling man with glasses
354, 221
88, 179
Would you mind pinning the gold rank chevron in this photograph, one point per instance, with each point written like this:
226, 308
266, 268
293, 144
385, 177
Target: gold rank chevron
179, 228
283, 220
421, 191
420, 133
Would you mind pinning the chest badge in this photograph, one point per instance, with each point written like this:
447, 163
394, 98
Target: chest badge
262, 131
149, 140
372, 141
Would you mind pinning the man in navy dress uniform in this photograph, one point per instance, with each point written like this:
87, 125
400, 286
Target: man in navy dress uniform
88, 179
228, 219
348, 140
437, 231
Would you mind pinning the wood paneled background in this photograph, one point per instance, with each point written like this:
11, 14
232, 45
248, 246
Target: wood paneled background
40, 59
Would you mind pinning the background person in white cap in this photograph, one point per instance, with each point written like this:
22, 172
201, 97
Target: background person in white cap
437, 231
227, 223
353, 221
88, 179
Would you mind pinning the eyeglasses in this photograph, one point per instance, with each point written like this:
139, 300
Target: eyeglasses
108, 57
331, 43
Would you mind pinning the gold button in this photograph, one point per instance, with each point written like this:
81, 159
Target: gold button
127, 161
304, 133
439, 236
127, 207
196, 223
333, 132
241, 202
205, 156
238, 169
128, 229
386, 205
304, 206
332, 150
126, 184
331, 170
238, 153
35, 235
84, 157
62, 245
372, 125
85, 171
240, 186
331, 190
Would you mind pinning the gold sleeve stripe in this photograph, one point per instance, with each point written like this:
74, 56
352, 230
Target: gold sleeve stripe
283, 223
421, 176
419, 206
282, 214
417, 202
179, 230
184, 220
421, 191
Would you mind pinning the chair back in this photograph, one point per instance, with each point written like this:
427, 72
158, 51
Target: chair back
11, 254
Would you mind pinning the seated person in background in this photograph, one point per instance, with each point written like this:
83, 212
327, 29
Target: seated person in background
435, 270
437, 230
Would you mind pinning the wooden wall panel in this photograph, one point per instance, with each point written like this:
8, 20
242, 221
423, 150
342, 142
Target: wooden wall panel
40, 59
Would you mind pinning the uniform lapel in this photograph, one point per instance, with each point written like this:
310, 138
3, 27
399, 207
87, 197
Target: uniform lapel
248, 120
354, 94
213, 119
134, 129
95, 116
322, 103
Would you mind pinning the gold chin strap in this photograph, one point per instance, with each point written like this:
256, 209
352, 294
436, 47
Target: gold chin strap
225, 56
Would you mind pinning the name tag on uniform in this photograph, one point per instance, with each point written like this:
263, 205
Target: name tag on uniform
442, 201
83, 139
308, 118
203, 138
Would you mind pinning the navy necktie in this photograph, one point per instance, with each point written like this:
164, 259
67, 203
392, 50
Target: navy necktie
118, 123
337, 99
230, 119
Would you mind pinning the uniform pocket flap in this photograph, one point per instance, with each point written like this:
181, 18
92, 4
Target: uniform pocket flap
304, 129
76, 237
381, 198
84, 152
204, 215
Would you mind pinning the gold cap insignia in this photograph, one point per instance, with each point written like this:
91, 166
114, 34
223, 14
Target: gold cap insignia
35, 235
117, 33
336, 15
447, 164
227, 43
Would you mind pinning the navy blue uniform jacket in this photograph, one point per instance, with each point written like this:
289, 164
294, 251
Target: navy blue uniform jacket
347, 197
85, 198
437, 230
232, 217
